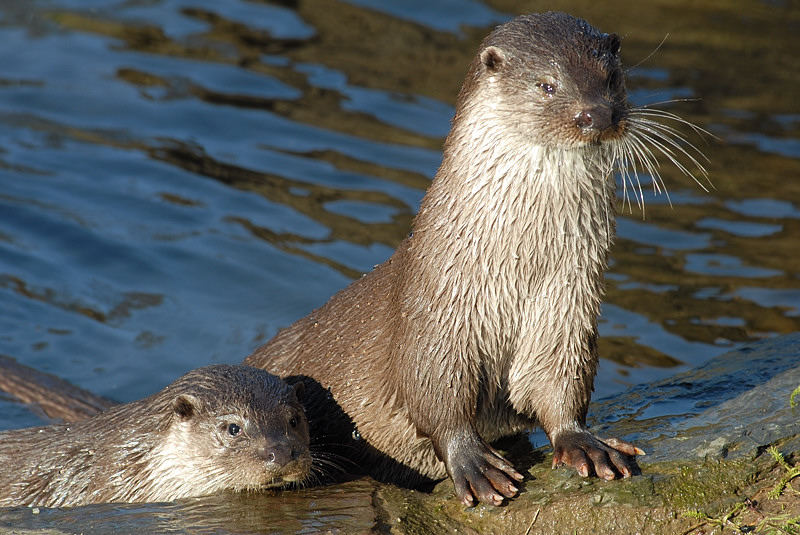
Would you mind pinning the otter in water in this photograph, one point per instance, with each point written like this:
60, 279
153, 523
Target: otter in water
216, 428
484, 321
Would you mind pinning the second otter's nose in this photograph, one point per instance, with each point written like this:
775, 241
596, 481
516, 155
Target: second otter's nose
279, 454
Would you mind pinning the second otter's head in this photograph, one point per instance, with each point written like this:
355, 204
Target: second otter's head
237, 428
552, 78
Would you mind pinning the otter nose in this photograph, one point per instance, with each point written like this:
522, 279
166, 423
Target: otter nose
279, 454
595, 117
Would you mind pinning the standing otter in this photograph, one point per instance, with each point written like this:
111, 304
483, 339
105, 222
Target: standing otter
216, 428
484, 321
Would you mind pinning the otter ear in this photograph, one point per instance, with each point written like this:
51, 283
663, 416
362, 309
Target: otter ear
613, 43
185, 406
493, 58
299, 389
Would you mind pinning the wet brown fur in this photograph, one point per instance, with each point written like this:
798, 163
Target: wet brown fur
174, 444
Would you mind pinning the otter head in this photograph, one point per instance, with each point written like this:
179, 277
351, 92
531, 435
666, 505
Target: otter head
553, 78
242, 428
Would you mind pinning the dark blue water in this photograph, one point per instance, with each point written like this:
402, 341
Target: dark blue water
172, 193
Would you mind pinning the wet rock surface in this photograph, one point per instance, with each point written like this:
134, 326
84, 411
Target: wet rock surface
707, 433
729, 407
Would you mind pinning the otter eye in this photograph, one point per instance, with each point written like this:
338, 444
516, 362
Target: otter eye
293, 422
547, 89
234, 430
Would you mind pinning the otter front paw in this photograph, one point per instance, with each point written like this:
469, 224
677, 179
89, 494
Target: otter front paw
588, 454
479, 472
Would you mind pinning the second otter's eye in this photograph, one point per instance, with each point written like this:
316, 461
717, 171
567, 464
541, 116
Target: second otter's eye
293, 422
234, 430
547, 89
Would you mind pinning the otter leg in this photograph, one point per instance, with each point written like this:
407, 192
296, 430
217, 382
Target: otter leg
477, 470
555, 388
441, 396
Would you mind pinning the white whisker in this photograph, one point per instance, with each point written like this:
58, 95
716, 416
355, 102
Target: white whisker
648, 56
634, 153
665, 146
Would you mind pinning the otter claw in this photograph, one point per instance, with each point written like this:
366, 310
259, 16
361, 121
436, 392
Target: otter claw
586, 453
625, 447
479, 473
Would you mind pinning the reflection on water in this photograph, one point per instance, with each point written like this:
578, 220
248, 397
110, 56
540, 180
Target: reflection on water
346, 508
181, 178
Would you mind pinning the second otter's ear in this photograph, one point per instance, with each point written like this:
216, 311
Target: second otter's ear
493, 58
185, 406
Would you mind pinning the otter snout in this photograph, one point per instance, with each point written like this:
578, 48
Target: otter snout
597, 117
279, 454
